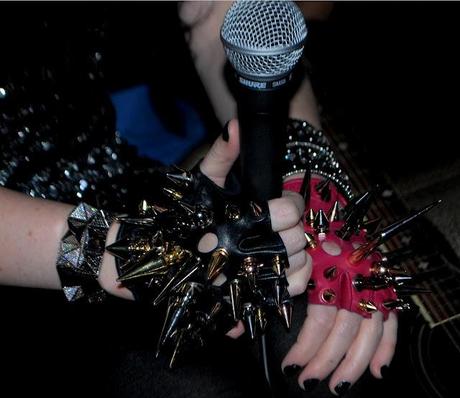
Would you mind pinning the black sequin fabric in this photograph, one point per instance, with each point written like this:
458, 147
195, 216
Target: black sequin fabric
58, 138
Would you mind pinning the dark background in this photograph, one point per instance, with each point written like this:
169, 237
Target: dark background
386, 73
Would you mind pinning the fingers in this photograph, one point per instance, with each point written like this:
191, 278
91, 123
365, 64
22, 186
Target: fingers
333, 349
294, 239
220, 158
285, 212
319, 322
386, 347
298, 278
359, 354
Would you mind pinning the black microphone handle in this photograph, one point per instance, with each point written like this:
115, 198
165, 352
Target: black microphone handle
262, 116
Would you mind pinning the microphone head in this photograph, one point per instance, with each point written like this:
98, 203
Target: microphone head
263, 39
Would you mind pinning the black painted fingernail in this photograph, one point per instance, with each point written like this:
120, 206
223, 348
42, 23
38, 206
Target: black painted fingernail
225, 135
291, 370
342, 388
385, 371
310, 384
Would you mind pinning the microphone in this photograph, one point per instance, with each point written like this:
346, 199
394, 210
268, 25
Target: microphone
263, 41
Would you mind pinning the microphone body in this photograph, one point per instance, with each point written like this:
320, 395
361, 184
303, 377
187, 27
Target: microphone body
262, 116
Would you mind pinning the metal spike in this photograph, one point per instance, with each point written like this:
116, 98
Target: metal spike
361, 282
235, 298
278, 265
305, 189
278, 290
311, 243
175, 281
177, 347
181, 178
310, 218
218, 260
126, 248
156, 263
398, 304
177, 309
311, 285
321, 223
250, 267
401, 280
330, 273
324, 190
285, 312
367, 306
143, 268
172, 193
398, 226
334, 212
261, 321
354, 215
365, 250
255, 208
189, 209
249, 316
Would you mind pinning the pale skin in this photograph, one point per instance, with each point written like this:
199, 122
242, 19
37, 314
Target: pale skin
328, 334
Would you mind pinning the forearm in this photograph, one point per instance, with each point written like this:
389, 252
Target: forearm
30, 233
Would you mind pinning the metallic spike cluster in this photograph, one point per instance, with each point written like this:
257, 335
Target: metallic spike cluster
160, 259
351, 222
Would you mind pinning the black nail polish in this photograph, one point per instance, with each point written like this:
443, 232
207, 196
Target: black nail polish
342, 388
291, 370
310, 384
385, 371
225, 135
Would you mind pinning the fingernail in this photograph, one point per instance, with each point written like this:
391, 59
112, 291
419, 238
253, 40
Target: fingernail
342, 388
310, 384
385, 371
225, 135
291, 370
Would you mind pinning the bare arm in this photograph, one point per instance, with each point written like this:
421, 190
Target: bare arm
30, 232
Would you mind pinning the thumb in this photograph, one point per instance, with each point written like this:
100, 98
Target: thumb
223, 153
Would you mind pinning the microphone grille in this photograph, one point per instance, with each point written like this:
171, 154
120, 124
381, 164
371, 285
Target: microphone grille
263, 39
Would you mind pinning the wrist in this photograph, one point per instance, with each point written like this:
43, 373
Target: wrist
108, 274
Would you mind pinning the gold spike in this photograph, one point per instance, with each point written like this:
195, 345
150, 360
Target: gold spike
285, 311
364, 251
218, 260
328, 295
172, 193
250, 267
159, 264
235, 298
367, 306
311, 242
144, 208
278, 265
311, 217
330, 273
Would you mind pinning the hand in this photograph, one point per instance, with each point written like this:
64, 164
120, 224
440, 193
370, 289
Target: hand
329, 334
341, 342
285, 213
